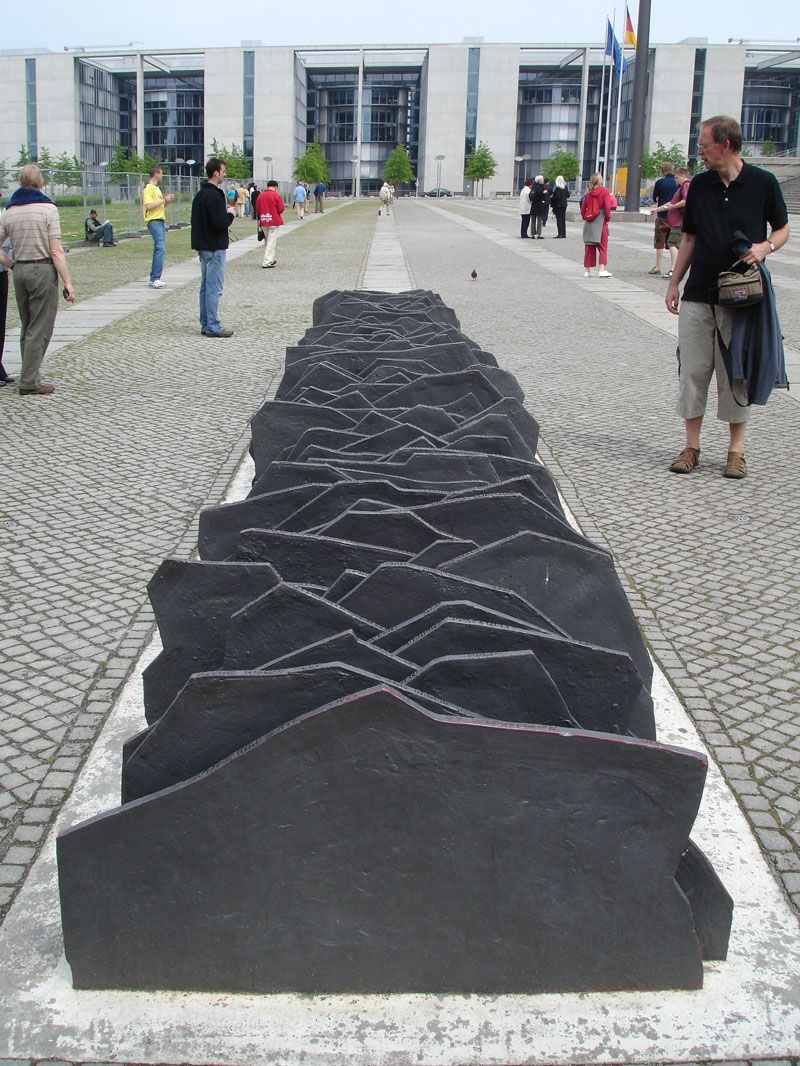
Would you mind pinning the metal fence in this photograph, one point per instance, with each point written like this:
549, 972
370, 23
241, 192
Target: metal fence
117, 198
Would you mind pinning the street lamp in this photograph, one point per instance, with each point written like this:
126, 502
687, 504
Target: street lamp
521, 159
439, 159
103, 185
268, 161
354, 159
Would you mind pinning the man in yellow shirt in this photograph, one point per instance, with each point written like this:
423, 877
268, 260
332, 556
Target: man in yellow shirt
155, 217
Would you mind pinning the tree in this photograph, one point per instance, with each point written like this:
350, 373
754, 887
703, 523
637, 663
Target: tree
481, 165
123, 161
67, 170
562, 162
237, 164
651, 161
44, 159
397, 168
24, 158
768, 148
312, 167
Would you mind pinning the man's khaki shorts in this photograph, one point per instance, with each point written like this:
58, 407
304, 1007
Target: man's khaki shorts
698, 359
675, 237
660, 232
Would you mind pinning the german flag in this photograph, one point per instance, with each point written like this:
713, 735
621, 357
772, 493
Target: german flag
630, 36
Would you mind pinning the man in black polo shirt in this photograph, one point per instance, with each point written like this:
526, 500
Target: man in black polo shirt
731, 195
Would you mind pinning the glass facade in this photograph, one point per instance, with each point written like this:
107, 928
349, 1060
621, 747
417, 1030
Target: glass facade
697, 104
548, 115
173, 115
771, 110
248, 108
30, 109
389, 116
473, 81
98, 113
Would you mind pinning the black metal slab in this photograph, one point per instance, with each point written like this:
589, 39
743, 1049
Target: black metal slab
492, 516
397, 591
391, 529
343, 584
275, 424
305, 558
216, 714
219, 527
193, 602
578, 588
442, 389
346, 648
601, 688
442, 551
511, 686
284, 619
421, 892
330, 503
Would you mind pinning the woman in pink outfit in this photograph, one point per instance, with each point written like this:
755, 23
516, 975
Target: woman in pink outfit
596, 203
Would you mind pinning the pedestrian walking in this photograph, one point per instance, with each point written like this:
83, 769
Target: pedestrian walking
155, 218
299, 198
32, 225
212, 218
5, 379
269, 211
319, 198
596, 214
241, 200
254, 191
730, 202
385, 198
558, 202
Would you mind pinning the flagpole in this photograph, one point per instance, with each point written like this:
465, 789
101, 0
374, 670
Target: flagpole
606, 159
616, 126
600, 107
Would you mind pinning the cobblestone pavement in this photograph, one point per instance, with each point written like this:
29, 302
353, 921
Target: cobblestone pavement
105, 478
712, 566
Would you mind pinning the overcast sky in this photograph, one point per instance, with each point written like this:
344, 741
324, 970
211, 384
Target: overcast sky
202, 23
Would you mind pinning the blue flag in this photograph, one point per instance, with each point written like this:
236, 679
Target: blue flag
613, 49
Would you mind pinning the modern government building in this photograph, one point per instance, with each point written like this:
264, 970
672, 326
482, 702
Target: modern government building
360, 101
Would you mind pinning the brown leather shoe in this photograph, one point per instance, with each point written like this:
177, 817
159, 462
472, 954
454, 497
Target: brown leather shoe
686, 461
735, 466
40, 390
222, 333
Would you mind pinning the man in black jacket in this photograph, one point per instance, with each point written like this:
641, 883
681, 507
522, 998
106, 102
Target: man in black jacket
211, 219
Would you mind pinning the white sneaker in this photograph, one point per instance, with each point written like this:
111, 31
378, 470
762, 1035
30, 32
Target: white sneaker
604, 274
157, 284
587, 273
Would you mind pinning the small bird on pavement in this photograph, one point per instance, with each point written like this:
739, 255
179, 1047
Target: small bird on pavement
474, 275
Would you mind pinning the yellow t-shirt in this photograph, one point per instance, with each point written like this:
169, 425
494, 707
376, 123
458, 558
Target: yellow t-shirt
150, 195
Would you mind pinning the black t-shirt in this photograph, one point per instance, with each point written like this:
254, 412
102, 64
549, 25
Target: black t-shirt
664, 190
714, 212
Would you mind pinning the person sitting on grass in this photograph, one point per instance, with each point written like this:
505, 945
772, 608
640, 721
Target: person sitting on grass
99, 231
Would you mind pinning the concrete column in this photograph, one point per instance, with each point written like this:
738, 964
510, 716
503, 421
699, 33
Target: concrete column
139, 104
359, 113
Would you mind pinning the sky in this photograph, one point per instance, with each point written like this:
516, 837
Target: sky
204, 23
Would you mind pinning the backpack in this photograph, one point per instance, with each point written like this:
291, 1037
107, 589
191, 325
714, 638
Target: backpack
590, 208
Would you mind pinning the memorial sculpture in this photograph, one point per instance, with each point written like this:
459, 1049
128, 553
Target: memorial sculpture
400, 736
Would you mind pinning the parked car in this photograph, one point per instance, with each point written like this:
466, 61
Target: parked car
438, 192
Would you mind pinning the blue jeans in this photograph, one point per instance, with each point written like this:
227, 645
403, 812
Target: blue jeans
104, 233
212, 276
157, 231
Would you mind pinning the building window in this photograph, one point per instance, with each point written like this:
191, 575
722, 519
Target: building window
473, 80
697, 104
249, 90
30, 108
